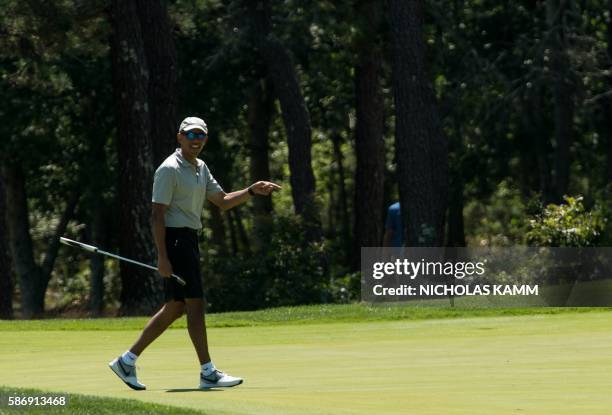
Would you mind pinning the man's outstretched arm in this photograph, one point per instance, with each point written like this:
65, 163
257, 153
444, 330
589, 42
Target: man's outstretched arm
225, 201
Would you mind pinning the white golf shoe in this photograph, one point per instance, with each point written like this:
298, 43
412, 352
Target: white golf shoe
218, 379
126, 373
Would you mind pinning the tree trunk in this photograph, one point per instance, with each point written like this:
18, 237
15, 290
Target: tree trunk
296, 117
233, 232
456, 229
342, 211
160, 53
421, 149
608, 102
606, 109
99, 237
6, 269
564, 121
261, 110
28, 272
33, 278
369, 144
332, 209
217, 227
563, 96
141, 288
534, 127
245, 244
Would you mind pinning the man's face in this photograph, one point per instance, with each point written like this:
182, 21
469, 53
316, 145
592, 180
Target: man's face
192, 142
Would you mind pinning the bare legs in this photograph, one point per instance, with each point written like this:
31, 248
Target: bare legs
157, 325
196, 324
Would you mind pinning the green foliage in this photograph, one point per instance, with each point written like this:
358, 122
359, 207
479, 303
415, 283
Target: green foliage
290, 271
491, 68
567, 225
498, 220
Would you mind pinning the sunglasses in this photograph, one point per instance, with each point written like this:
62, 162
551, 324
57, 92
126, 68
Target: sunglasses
192, 136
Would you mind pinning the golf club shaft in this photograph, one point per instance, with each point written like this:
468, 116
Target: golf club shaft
96, 250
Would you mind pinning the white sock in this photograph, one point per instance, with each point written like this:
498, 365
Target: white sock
129, 358
208, 368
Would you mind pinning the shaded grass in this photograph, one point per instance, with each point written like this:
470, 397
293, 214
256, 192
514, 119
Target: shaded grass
84, 405
310, 314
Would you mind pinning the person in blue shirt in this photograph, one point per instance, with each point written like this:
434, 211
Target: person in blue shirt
393, 227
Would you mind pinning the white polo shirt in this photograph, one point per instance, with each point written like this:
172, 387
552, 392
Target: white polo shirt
183, 188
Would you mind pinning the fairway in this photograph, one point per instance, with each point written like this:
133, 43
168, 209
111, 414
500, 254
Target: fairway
540, 364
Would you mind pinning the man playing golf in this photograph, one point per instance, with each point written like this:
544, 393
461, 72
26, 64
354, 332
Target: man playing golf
181, 184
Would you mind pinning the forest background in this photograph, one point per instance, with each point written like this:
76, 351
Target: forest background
491, 123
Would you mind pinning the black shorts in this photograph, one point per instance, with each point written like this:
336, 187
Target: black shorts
184, 255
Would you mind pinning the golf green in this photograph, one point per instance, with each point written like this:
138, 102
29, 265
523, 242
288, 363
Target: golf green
540, 364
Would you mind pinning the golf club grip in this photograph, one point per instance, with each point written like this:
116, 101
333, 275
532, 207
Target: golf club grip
179, 279
131, 261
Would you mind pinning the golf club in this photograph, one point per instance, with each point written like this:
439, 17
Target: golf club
96, 250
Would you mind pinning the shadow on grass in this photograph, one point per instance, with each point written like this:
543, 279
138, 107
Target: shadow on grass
214, 389
193, 390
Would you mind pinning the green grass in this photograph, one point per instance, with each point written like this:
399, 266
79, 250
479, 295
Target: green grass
313, 314
352, 359
86, 405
